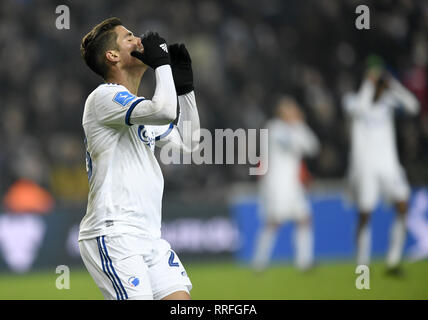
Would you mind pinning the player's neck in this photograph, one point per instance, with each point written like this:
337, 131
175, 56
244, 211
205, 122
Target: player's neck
129, 80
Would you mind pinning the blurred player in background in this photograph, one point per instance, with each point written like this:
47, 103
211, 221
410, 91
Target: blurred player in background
375, 169
120, 237
281, 189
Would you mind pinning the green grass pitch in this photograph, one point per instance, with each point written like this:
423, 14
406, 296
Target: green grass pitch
228, 280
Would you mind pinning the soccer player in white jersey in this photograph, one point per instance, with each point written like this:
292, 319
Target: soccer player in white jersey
120, 237
375, 169
281, 189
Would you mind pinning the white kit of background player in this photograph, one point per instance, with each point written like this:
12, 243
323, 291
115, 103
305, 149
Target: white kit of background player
120, 235
375, 169
282, 193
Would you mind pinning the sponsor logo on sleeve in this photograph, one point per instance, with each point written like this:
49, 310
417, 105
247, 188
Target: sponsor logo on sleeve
123, 98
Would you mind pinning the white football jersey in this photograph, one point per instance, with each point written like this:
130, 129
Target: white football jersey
125, 180
281, 190
373, 141
288, 144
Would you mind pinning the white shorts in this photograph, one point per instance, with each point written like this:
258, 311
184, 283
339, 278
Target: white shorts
132, 267
281, 206
369, 186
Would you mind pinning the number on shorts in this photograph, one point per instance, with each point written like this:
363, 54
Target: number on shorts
171, 260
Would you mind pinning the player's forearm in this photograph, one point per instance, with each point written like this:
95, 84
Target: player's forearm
408, 100
359, 103
313, 144
162, 109
365, 95
165, 95
188, 122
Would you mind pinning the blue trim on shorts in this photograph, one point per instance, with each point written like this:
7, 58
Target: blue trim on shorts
107, 272
114, 271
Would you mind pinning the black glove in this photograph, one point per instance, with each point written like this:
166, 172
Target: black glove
181, 65
155, 50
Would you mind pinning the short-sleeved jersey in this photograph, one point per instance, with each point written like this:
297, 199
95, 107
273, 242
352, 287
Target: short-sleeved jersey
125, 180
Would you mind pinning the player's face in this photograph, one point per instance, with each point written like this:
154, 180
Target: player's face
127, 43
290, 113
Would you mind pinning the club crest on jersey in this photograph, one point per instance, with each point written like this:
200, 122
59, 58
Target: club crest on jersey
147, 136
123, 98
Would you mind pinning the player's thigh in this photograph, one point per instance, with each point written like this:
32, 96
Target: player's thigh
118, 279
294, 207
91, 259
395, 186
178, 295
367, 191
277, 208
168, 275
301, 208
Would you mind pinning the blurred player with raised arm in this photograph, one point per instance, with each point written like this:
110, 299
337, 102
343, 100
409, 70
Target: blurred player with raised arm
120, 235
375, 169
281, 189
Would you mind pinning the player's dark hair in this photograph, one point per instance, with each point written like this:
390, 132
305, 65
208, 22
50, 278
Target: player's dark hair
95, 44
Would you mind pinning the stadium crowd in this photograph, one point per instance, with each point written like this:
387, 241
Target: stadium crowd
245, 54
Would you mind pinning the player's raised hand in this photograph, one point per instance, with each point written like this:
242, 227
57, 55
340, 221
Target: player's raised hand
155, 52
181, 65
373, 74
